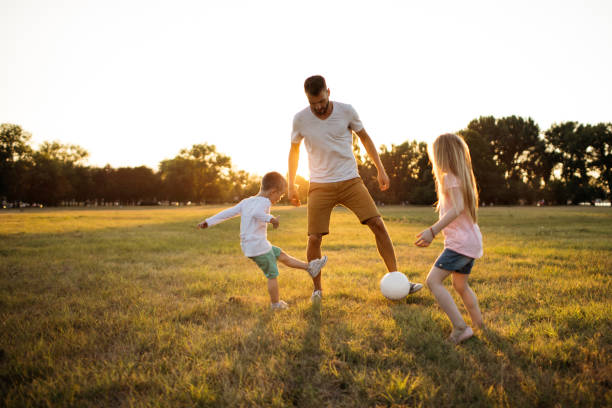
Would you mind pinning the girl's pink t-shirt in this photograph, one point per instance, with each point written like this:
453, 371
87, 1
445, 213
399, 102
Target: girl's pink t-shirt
462, 235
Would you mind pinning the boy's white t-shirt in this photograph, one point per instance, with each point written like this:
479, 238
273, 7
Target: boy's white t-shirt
254, 218
329, 142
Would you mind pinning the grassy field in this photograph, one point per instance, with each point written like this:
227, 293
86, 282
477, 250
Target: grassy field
135, 307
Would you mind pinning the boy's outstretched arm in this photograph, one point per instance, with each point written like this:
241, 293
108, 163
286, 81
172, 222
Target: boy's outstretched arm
222, 216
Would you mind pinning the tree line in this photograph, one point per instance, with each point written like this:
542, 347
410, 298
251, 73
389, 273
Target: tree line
514, 162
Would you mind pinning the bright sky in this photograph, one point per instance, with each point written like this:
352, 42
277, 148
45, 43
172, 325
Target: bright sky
134, 82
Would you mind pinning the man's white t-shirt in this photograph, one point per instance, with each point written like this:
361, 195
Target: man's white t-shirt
254, 218
329, 142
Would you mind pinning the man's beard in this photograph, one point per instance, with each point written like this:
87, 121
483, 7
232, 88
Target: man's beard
322, 111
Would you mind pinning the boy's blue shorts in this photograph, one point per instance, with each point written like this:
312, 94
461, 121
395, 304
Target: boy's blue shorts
267, 262
453, 261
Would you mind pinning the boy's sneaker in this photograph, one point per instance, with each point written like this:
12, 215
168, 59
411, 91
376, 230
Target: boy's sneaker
280, 305
316, 296
314, 266
415, 287
460, 335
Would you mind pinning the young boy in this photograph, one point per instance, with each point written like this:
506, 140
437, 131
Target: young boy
254, 218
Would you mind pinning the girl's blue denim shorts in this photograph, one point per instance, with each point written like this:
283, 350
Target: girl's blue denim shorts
453, 261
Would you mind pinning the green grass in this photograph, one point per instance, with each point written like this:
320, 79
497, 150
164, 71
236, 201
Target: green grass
135, 307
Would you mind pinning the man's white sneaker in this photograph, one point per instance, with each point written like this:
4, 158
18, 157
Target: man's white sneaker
415, 287
316, 296
314, 266
280, 305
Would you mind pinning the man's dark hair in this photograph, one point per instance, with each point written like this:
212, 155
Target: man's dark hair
314, 85
273, 180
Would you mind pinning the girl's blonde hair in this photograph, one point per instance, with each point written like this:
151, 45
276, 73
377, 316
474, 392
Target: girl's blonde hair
450, 154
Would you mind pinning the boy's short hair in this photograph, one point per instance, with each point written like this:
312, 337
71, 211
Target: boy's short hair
314, 85
273, 180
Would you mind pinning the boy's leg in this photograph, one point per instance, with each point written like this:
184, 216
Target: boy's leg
292, 262
460, 283
313, 267
445, 300
267, 264
273, 290
383, 242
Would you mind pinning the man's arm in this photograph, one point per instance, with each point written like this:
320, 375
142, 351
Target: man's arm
383, 179
294, 157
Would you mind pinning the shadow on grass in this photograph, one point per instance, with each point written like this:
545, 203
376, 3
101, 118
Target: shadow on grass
489, 369
456, 372
301, 387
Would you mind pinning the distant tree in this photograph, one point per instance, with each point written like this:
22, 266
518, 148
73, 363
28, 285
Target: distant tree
177, 179
601, 156
66, 153
136, 184
569, 143
15, 153
424, 188
409, 172
104, 181
198, 175
84, 189
489, 177
518, 153
242, 185
582, 157
49, 179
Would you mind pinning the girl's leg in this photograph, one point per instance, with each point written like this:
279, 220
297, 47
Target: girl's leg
273, 290
445, 300
291, 262
460, 283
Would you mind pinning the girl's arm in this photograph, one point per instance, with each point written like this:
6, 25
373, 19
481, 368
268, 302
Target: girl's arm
425, 237
222, 216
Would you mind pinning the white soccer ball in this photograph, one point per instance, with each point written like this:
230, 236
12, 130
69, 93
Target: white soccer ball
395, 285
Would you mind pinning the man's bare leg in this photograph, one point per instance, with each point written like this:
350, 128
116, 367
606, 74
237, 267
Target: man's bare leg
313, 251
383, 243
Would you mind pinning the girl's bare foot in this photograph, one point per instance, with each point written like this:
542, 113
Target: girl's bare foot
459, 335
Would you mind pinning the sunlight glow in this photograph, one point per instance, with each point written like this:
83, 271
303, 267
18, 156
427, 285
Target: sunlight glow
135, 82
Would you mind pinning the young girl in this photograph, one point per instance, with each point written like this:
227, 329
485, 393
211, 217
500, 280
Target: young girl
457, 206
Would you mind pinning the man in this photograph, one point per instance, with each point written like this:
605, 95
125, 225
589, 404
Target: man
326, 128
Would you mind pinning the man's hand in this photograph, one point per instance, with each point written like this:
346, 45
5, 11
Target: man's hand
424, 238
293, 196
275, 222
203, 225
383, 180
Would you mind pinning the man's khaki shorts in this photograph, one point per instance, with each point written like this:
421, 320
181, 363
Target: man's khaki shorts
323, 197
